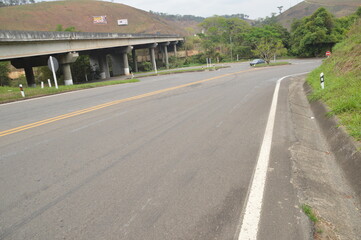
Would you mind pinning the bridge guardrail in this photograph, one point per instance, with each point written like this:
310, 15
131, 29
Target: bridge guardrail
24, 36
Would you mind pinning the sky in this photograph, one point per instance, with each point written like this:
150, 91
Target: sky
207, 8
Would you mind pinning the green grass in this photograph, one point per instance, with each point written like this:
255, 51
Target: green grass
148, 74
8, 94
342, 93
310, 214
272, 64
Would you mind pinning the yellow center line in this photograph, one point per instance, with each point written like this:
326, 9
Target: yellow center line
104, 105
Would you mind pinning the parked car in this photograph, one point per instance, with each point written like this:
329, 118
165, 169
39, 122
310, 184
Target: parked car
257, 61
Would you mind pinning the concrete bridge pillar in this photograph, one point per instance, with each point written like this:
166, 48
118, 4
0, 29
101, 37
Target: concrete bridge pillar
120, 62
165, 51
152, 56
117, 64
103, 66
68, 79
126, 64
125, 59
175, 48
135, 62
29, 73
94, 62
65, 61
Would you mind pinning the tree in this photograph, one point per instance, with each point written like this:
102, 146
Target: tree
268, 48
222, 35
314, 35
4, 73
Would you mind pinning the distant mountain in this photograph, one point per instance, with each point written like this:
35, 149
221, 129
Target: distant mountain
339, 8
45, 16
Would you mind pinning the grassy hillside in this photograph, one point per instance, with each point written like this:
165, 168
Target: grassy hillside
45, 16
342, 91
339, 8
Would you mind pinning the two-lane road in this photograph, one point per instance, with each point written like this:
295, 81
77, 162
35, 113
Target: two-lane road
170, 157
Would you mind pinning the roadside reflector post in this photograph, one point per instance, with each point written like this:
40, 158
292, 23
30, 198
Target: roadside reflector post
322, 80
49, 82
42, 84
22, 90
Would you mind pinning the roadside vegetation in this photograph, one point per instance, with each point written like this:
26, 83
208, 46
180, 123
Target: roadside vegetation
342, 92
8, 94
309, 213
198, 69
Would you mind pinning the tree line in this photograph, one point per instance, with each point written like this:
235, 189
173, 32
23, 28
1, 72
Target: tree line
225, 38
4, 3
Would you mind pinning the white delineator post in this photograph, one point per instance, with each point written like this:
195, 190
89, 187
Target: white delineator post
49, 82
22, 90
322, 80
42, 84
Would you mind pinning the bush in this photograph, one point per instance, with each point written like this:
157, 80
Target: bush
42, 74
80, 68
199, 59
145, 66
175, 62
17, 81
4, 74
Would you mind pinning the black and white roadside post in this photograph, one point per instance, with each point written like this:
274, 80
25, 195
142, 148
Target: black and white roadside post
322, 80
22, 90
53, 65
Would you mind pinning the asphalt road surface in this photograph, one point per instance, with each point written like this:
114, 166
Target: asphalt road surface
170, 157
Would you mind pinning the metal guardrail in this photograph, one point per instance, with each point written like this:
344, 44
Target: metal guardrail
27, 36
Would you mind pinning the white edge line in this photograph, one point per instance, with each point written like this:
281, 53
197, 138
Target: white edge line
252, 213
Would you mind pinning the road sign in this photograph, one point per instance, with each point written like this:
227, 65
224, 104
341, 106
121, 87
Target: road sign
328, 53
55, 64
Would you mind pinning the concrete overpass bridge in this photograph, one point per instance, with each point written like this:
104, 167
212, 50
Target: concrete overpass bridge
27, 49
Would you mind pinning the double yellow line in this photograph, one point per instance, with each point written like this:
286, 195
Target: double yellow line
104, 105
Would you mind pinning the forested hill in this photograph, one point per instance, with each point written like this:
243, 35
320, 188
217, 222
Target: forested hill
338, 8
45, 16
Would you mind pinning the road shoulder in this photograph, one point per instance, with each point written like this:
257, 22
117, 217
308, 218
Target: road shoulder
317, 171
